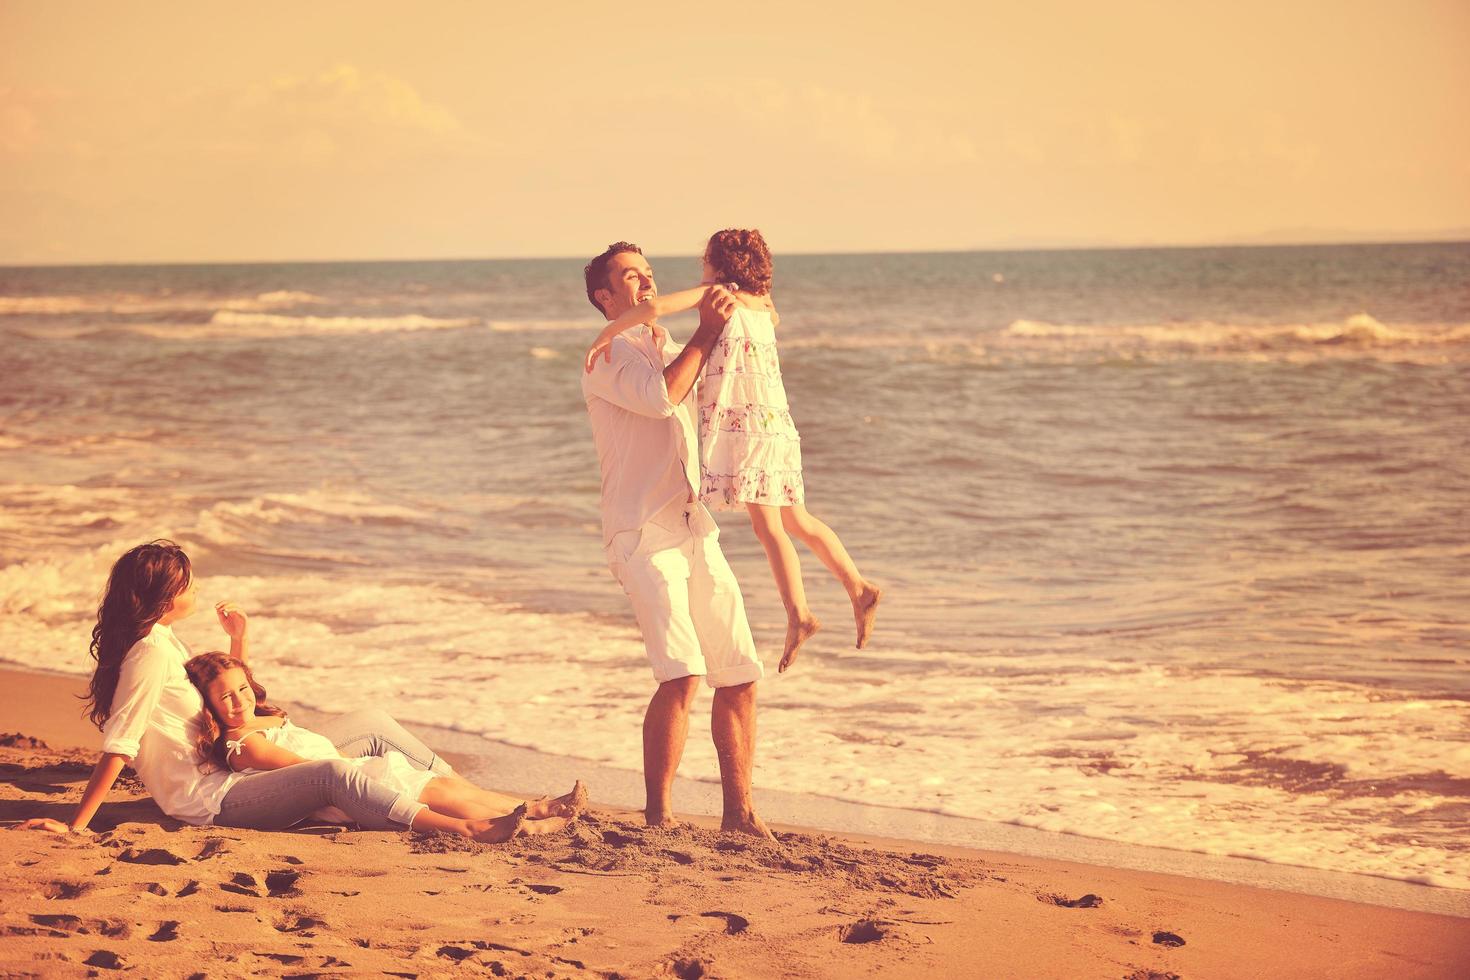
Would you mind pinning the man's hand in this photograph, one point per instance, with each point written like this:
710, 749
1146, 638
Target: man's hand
233, 619
715, 308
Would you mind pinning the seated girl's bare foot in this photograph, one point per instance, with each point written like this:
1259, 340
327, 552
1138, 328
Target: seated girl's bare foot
498, 830
865, 610
798, 631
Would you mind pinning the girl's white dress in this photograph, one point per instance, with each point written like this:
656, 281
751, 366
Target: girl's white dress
749, 449
393, 769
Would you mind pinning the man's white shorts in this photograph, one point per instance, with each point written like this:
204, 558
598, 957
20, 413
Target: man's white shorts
686, 598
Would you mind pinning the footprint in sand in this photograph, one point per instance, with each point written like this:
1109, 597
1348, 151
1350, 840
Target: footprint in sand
298, 923
1088, 901
76, 924
878, 931
241, 883
151, 855
214, 847
734, 924
65, 889
106, 959
282, 884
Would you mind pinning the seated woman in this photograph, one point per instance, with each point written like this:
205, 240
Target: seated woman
152, 718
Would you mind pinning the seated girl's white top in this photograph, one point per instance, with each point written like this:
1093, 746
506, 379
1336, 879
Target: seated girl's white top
155, 721
307, 744
392, 769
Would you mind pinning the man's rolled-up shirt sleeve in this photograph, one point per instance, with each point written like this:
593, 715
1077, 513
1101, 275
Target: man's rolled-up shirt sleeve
139, 687
631, 382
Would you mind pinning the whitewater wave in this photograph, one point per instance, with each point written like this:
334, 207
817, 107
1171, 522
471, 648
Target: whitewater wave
537, 326
131, 303
1358, 330
234, 324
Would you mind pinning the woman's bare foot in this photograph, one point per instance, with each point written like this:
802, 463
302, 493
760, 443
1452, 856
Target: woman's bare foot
498, 830
567, 805
865, 610
798, 631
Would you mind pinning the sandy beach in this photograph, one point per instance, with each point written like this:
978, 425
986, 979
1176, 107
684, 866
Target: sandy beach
611, 898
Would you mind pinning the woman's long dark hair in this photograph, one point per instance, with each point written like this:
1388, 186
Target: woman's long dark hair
140, 587
202, 670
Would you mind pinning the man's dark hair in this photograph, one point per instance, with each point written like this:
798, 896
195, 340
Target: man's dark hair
596, 271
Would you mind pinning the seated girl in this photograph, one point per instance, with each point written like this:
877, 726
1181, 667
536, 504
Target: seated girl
243, 732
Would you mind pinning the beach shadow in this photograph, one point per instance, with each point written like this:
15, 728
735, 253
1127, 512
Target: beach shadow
108, 818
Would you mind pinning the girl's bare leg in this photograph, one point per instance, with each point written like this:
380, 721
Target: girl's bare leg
786, 567
496, 830
455, 796
829, 550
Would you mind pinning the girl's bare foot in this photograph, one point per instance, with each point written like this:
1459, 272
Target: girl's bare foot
549, 825
498, 830
798, 631
865, 610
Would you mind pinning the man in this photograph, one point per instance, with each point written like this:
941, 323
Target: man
662, 544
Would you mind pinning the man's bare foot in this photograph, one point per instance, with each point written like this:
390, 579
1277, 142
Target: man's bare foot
798, 631
748, 824
498, 830
865, 610
662, 820
567, 805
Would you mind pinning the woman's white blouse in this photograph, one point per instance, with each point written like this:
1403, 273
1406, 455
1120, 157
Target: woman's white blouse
156, 720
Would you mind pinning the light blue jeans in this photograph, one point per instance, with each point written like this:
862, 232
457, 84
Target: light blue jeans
277, 799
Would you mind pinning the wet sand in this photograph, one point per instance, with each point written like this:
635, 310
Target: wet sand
612, 898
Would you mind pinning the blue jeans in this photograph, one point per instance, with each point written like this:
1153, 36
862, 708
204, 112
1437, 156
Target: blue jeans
276, 799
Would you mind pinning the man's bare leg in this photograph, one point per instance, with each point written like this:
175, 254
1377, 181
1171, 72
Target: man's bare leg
665, 729
732, 726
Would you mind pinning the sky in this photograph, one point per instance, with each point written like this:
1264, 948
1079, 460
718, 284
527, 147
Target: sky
270, 131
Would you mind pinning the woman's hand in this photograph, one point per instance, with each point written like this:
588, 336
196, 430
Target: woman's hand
50, 826
233, 619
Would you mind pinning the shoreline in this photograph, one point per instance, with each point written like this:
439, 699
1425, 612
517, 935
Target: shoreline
521, 770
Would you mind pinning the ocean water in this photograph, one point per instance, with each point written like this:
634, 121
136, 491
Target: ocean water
1175, 542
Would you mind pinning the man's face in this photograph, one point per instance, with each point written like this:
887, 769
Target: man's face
629, 282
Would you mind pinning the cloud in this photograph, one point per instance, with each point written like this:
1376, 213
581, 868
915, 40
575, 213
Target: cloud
345, 97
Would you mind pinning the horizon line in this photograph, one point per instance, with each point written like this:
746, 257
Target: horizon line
1462, 237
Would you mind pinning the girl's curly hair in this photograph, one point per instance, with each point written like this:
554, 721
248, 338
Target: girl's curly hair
740, 255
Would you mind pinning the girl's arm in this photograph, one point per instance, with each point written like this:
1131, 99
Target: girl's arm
262, 753
771, 309
645, 312
104, 774
234, 621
